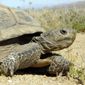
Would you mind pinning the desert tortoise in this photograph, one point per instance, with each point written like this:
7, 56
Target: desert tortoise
22, 43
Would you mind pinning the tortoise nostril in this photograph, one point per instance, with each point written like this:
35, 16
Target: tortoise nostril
64, 32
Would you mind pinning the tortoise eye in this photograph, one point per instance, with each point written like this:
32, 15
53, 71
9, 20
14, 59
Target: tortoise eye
64, 32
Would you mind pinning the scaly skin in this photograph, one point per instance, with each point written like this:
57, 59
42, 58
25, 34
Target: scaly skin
30, 53
18, 60
58, 65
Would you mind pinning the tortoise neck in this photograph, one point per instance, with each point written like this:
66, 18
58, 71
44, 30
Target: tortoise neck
38, 41
43, 43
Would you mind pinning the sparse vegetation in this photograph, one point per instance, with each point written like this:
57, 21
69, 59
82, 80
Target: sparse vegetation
78, 74
52, 18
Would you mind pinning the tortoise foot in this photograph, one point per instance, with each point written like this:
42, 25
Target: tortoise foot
8, 65
59, 65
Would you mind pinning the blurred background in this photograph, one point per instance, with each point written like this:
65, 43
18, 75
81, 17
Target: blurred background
53, 13
36, 3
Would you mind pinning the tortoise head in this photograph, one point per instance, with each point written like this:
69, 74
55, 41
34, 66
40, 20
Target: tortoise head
57, 39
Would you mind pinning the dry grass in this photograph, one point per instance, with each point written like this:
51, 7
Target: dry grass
53, 18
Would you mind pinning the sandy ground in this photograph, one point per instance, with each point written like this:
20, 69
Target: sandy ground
76, 51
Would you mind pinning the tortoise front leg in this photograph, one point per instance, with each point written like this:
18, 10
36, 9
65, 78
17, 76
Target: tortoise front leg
58, 65
26, 56
55, 63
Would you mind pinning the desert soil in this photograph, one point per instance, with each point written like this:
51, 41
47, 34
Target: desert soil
76, 51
